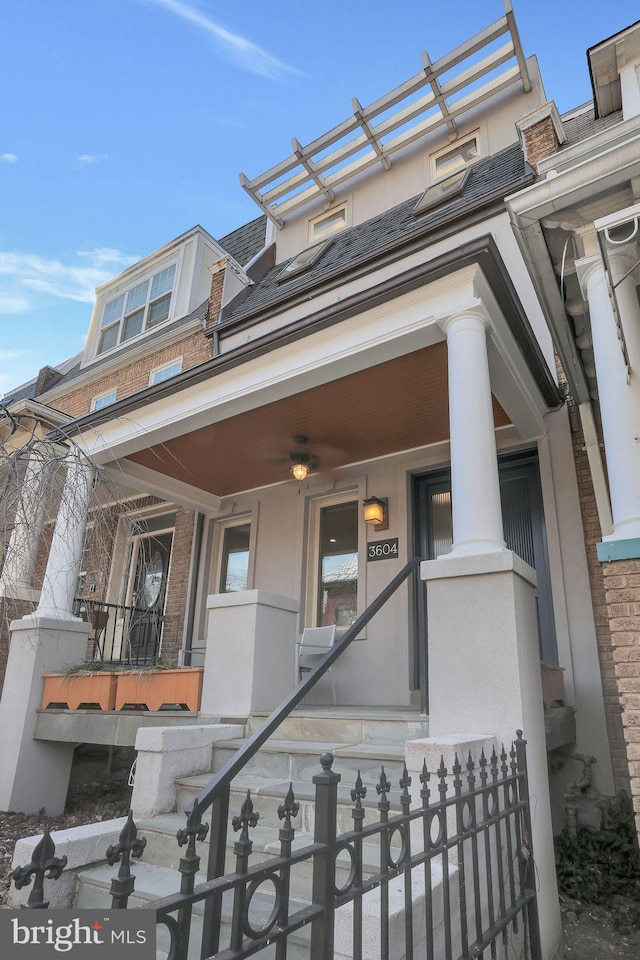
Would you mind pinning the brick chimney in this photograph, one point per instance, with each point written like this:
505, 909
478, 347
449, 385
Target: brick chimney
47, 378
541, 133
218, 271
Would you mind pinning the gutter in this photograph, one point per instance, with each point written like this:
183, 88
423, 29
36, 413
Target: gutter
444, 227
482, 251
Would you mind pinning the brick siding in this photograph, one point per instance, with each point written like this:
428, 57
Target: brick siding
622, 594
177, 589
540, 141
134, 376
215, 297
606, 645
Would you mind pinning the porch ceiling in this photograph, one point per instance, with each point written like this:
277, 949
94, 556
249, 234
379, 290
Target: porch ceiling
396, 405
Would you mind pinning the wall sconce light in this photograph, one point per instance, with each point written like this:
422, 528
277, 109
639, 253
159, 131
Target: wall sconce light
300, 471
376, 512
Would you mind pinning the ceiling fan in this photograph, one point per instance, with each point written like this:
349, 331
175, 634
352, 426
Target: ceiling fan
303, 461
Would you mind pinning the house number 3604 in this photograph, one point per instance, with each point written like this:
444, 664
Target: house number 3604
383, 549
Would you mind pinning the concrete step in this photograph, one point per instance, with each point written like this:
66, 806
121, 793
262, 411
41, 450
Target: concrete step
162, 850
268, 794
153, 882
383, 725
300, 760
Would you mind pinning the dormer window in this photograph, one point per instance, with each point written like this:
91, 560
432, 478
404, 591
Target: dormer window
139, 309
328, 223
455, 158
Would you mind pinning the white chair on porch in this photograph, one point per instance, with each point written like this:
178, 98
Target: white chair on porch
311, 648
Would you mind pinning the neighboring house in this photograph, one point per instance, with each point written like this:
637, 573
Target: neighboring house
436, 307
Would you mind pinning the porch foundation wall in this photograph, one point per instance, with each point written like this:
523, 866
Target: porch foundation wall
484, 675
35, 773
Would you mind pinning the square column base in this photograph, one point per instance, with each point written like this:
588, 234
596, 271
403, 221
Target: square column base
249, 661
484, 674
35, 773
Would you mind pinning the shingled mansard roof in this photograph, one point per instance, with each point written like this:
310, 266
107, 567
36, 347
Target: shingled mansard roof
489, 179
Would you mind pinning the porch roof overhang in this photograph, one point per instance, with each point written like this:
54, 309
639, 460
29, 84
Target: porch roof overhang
362, 377
577, 176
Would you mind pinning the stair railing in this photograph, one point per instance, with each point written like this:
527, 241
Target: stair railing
216, 792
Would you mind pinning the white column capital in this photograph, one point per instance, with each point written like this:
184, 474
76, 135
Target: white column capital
588, 269
591, 269
470, 317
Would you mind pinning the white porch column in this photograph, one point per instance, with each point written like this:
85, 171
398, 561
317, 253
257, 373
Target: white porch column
16, 580
619, 399
65, 555
475, 489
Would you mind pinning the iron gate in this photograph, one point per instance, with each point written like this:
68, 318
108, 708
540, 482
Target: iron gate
452, 877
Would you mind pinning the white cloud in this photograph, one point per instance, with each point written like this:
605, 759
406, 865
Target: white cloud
11, 303
73, 279
9, 158
246, 54
86, 160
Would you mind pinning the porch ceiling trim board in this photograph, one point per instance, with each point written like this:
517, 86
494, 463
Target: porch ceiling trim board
131, 474
481, 252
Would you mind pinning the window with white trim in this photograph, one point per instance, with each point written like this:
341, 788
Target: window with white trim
144, 306
327, 223
335, 576
103, 400
165, 372
455, 157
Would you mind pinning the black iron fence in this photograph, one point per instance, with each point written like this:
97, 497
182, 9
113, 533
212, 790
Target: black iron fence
452, 875
122, 634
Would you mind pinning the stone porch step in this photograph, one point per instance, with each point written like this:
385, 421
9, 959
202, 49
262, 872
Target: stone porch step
268, 794
300, 760
153, 882
383, 725
162, 850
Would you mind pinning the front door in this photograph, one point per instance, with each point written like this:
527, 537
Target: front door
150, 565
524, 533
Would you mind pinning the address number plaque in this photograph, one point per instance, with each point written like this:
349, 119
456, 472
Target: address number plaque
383, 550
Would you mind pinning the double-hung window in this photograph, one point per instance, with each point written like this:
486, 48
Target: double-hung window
139, 309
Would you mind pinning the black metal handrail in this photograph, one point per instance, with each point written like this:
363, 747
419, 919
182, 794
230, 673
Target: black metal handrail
224, 777
216, 793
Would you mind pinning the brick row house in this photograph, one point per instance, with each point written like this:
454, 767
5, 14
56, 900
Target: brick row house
434, 316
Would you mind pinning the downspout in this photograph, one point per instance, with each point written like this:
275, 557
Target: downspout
192, 589
596, 467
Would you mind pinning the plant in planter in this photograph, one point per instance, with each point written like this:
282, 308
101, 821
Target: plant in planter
115, 686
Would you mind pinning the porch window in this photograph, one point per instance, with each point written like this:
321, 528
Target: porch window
234, 569
338, 565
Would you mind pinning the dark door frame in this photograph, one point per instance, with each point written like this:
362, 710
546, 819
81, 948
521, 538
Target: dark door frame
522, 465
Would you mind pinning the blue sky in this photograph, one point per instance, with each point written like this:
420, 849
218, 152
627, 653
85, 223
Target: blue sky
125, 122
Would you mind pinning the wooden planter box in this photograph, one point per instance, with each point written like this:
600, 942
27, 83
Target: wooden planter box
80, 690
153, 690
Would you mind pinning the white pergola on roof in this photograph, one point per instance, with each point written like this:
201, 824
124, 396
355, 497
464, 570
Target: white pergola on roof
367, 136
